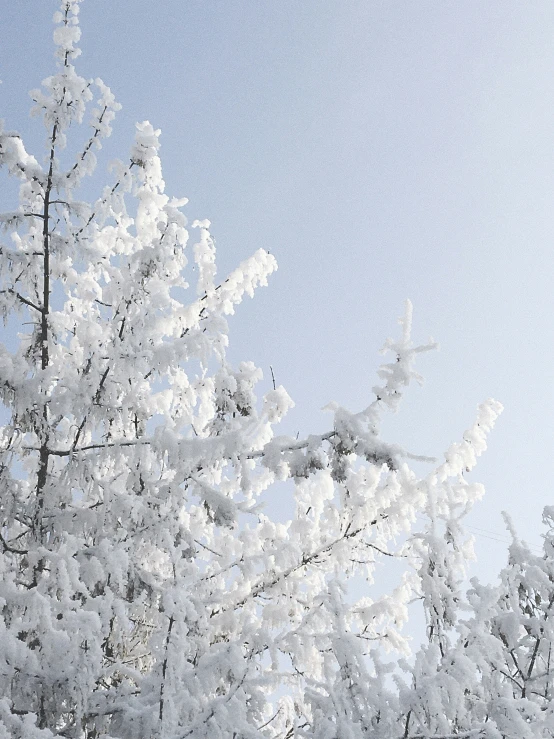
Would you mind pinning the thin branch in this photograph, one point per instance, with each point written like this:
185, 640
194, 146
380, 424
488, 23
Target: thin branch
407, 727
295, 446
89, 144
93, 214
164, 667
461, 735
207, 548
533, 659
26, 301
23, 300
135, 442
510, 677
516, 664
306, 560
12, 550
382, 551
277, 712
94, 401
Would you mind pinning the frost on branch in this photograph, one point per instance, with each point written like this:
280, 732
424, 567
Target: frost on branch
145, 590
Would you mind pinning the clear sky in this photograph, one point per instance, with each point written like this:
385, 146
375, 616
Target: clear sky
381, 150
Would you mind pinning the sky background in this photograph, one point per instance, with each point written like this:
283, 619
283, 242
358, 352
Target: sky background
381, 151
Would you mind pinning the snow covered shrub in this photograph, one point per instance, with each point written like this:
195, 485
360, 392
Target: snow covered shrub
144, 592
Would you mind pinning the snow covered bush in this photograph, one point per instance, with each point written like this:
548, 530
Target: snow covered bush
144, 592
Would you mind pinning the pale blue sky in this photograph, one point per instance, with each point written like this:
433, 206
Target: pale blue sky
381, 150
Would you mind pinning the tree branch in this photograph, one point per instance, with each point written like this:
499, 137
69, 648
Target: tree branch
23, 300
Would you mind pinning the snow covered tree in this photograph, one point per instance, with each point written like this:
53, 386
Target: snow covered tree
494, 677
143, 591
